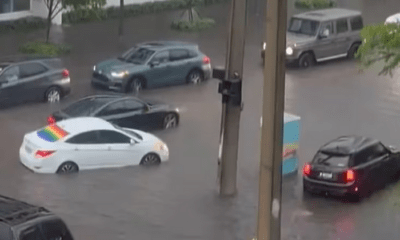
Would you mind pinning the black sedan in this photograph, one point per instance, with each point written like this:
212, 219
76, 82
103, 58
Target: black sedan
351, 165
123, 111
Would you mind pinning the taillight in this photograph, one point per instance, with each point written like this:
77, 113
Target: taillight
51, 120
307, 169
206, 60
350, 176
43, 153
65, 73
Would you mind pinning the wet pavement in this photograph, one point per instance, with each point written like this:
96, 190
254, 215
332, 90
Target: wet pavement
178, 199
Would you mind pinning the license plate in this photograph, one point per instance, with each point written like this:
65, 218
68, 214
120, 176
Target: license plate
325, 175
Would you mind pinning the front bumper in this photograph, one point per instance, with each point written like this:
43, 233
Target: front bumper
103, 80
35, 165
336, 189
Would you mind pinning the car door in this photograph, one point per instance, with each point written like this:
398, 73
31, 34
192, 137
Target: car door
55, 229
369, 167
324, 45
124, 113
86, 150
160, 72
34, 80
10, 85
388, 165
342, 39
120, 150
180, 65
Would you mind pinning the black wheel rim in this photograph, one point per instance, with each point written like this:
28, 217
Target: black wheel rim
150, 159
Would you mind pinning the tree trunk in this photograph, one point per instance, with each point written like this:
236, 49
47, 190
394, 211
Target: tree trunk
121, 18
49, 20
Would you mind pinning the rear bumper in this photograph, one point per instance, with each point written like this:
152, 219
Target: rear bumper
316, 186
33, 164
207, 70
65, 85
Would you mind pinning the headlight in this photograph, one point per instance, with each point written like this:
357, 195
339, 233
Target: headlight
94, 68
119, 74
264, 45
160, 146
289, 51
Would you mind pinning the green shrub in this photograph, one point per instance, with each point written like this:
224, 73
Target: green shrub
23, 24
187, 26
314, 4
44, 49
87, 14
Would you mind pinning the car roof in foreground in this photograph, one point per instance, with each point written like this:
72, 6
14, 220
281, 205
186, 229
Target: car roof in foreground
8, 60
84, 124
158, 45
347, 145
328, 14
108, 98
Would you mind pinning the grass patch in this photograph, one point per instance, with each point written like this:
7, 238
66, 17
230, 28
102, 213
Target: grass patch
45, 49
314, 4
198, 25
23, 25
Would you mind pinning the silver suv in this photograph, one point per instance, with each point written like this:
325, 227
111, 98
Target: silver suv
322, 35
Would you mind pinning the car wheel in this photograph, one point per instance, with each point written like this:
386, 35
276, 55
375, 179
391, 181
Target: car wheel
195, 77
67, 168
52, 95
136, 85
306, 60
150, 159
352, 51
170, 121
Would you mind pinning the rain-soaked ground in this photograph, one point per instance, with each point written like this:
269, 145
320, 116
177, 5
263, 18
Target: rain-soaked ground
178, 200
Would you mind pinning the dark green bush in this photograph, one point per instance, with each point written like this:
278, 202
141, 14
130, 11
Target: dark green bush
314, 4
197, 25
86, 15
44, 49
23, 24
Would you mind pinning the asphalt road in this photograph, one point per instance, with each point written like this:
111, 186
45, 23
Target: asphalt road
178, 200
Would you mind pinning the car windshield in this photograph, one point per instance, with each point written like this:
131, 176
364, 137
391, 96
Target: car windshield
126, 54
139, 55
85, 107
303, 26
130, 132
2, 66
331, 159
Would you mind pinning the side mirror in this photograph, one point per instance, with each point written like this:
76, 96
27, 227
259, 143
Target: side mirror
392, 148
133, 142
154, 63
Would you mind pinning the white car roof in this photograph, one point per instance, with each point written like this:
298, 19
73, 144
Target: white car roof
84, 124
393, 19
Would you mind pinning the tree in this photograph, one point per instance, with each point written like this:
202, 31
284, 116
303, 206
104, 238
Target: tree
380, 42
54, 7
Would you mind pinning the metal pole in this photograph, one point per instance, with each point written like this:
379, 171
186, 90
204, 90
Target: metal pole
230, 119
121, 18
270, 178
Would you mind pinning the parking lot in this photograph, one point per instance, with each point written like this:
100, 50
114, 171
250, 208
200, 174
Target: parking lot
178, 199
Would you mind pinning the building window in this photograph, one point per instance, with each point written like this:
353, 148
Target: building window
8, 6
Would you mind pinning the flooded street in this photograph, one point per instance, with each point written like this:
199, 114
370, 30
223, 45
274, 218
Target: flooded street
178, 200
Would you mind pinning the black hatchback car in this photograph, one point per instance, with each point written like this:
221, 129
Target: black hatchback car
351, 165
23, 221
30, 79
124, 111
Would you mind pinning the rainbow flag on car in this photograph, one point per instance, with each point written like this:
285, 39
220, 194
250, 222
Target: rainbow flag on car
52, 133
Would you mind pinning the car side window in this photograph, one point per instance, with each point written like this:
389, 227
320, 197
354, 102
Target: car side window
32, 69
341, 26
113, 108
84, 138
11, 74
178, 54
55, 230
31, 233
112, 137
326, 29
356, 23
133, 105
379, 150
161, 57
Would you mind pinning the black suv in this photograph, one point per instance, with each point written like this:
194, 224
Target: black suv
22, 221
28, 79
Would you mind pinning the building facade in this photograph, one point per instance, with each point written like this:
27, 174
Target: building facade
16, 9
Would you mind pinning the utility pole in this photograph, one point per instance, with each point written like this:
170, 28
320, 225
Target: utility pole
270, 178
231, 90
121, 18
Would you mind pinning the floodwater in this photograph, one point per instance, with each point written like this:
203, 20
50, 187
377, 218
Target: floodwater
178, 199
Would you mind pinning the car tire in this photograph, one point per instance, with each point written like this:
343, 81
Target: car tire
170, 121
52, 95
150, 159
306, 60
68, 168
135, 85
195, 77
352, 51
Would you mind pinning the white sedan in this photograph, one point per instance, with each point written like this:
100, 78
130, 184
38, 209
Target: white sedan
89, 143
393, 19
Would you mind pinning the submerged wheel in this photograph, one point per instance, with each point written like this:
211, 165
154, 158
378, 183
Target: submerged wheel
136, 85
306, 60
52, 95
170, 121
150, 159
67, 168
195, 77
